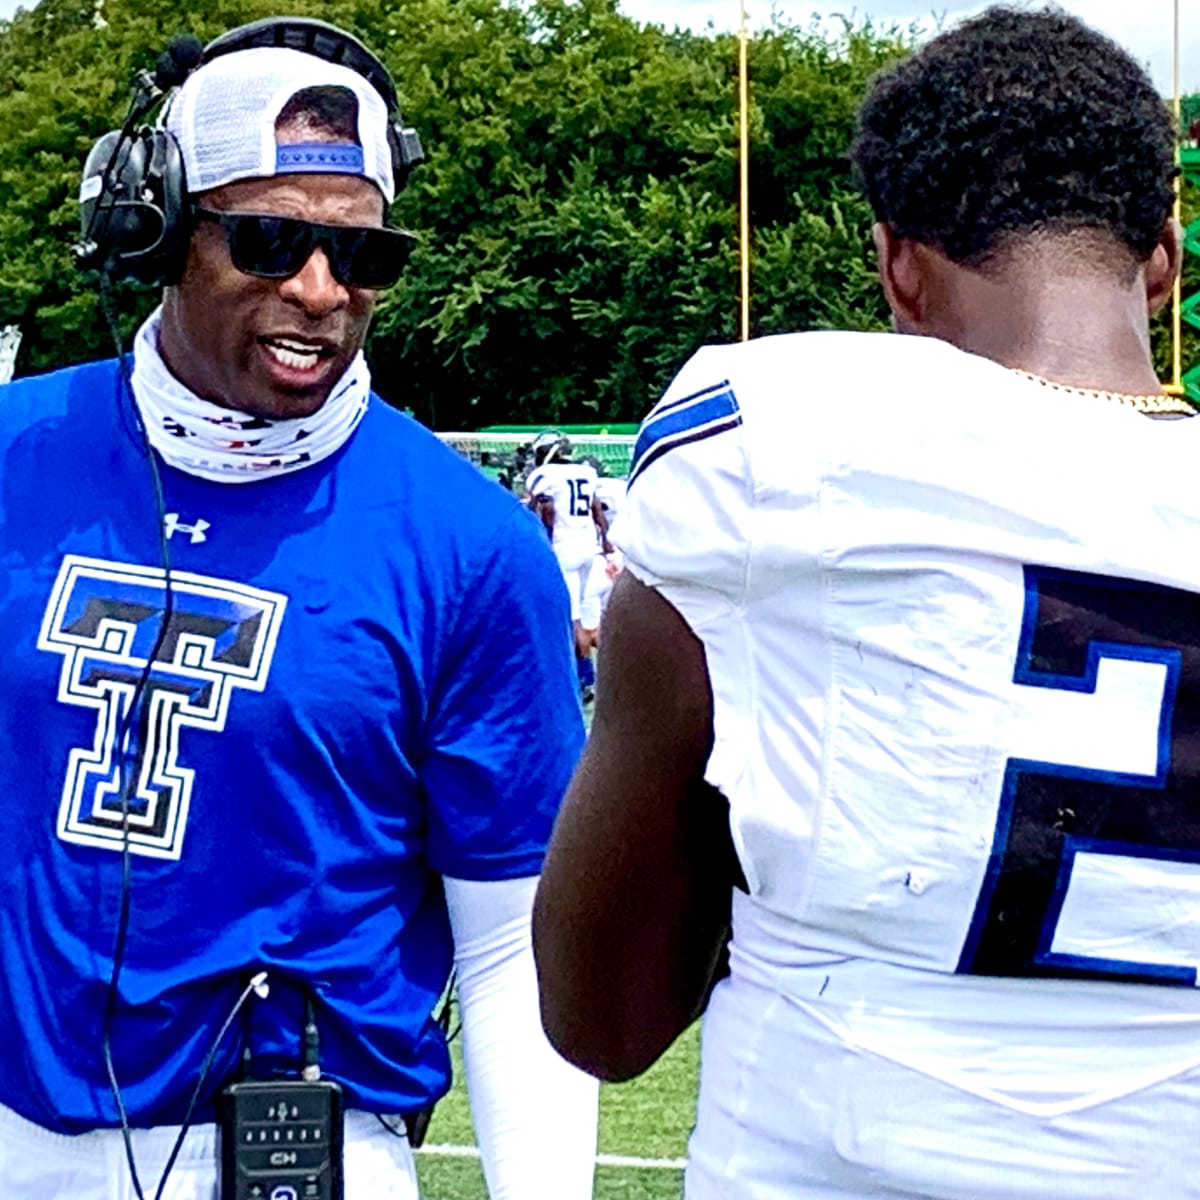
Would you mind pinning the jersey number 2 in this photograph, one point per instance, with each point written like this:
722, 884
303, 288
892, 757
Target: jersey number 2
1095, 864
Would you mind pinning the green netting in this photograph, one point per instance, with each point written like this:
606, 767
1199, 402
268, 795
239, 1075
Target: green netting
504, 454
572, 431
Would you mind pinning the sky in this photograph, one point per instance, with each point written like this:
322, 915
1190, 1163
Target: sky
1145, 27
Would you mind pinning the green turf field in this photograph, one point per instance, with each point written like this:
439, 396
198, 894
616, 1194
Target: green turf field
647, 1119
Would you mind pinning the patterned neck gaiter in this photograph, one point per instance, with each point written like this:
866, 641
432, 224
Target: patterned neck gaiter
228, 446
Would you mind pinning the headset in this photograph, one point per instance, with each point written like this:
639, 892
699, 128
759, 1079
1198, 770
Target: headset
135, 217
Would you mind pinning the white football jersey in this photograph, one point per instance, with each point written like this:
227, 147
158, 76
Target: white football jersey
952, 623
610, 492
571, 487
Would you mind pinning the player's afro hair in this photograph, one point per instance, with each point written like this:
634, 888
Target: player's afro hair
1011, 124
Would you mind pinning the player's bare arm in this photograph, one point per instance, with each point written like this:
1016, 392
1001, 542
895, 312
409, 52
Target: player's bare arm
600, 517
632, 912
544, 507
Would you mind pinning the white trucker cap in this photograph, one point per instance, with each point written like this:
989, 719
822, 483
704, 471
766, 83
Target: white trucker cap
223, 118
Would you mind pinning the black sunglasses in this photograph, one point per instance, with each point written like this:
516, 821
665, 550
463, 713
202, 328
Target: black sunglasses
278, 247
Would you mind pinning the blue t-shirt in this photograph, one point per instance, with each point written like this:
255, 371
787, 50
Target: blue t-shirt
366, 683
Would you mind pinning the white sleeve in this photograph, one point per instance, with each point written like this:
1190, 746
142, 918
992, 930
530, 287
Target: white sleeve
535, 482
535, 1114
612, 495
686, 516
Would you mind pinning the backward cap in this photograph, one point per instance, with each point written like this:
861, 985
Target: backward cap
224, 115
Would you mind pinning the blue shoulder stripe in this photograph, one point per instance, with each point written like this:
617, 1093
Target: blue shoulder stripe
690, 419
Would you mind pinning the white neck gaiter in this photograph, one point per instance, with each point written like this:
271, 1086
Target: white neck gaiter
228, 446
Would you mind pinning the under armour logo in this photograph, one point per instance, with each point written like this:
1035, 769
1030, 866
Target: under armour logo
174, 525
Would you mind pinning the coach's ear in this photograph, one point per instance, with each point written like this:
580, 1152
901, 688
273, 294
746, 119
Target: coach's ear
1164, 266
902, 277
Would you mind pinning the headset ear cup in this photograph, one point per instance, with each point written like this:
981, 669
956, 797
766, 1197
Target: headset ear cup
102, 223
135, 221
407, 154
168, 170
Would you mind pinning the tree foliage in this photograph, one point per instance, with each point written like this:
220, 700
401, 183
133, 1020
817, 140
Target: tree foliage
577, 213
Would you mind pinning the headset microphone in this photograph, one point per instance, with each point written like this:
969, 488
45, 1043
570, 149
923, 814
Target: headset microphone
181, 56
177, 61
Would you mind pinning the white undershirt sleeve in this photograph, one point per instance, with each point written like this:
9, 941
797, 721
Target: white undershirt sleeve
535, 1114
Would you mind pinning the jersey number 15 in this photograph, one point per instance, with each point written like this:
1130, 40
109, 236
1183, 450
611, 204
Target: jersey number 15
581, 497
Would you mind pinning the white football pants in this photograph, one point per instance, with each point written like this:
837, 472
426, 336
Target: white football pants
575, 563
789, 1112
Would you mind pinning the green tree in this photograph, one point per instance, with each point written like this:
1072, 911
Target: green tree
578, 212
591, 245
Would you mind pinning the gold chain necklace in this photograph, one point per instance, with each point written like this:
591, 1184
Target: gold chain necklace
1154, 403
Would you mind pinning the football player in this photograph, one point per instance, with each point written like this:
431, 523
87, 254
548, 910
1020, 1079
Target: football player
606, 563
562, 493
903, 680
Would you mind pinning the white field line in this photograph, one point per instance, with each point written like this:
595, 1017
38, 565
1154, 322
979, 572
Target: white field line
602, 1160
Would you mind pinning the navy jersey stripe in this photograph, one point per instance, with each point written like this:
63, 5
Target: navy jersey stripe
682, 417
683, 439
666, 406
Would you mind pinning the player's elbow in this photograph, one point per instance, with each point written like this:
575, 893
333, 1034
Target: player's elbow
583, 1018
593, 1042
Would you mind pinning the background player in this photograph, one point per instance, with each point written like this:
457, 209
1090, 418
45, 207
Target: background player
925, 611
563, 494
606, 565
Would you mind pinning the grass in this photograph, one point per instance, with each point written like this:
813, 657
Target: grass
650, 1117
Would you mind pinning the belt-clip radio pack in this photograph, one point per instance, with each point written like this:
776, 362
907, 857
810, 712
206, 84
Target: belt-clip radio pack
281, 1139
